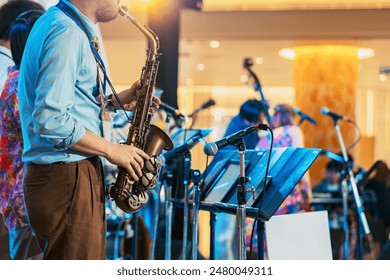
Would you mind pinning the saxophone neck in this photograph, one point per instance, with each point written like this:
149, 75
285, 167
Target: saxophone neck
154, 42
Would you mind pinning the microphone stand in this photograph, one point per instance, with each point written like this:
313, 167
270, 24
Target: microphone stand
186, 182
196, 178
351, 178
300, 121
155, 224
241, 202
168, 179
167, 121
344, 193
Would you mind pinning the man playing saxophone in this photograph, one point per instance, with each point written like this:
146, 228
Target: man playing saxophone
63, 108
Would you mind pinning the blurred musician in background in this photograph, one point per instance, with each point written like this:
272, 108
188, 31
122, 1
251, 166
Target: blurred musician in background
330, 188
378, 212
14, 213
379, 183
251, 112
22, 242
287, 134
328, 196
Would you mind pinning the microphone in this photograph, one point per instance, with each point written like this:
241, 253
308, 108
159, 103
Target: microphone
203, 107
170, 110
326, 111
212, 148
185, 147
304, 116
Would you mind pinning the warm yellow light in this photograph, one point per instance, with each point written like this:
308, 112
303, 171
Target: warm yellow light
287, 53
244, 78
140, 5
370, 113
200, 67
259, 60
134, 2
250, 5
290, 53
364, 53
382, 77
189, 82
214, 44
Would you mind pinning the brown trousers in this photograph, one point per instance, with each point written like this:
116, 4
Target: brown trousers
65, 207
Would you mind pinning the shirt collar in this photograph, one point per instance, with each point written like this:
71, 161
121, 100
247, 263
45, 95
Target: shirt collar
88, 24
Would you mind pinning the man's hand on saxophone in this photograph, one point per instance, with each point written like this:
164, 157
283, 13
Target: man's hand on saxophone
129, 157
128, 98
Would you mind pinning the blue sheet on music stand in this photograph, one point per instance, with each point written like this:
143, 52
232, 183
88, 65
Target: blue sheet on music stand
287, 167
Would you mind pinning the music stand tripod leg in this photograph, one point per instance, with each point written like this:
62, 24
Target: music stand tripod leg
155, 222
260, 239
134, 241
213, 219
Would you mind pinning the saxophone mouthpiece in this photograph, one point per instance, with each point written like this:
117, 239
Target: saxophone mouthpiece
122, 10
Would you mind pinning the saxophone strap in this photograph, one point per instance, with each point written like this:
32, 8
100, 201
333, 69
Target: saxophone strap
101, 87
95, 48
6, 55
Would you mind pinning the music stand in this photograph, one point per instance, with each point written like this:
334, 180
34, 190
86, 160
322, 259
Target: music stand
221, 166
222, 179
287, 167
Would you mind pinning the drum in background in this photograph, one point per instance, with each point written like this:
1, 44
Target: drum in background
119, 238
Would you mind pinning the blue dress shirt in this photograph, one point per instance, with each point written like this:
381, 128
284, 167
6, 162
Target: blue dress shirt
57, 88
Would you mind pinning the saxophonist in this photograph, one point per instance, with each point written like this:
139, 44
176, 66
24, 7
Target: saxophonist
63, 109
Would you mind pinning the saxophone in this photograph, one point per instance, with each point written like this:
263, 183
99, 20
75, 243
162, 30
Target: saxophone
128, 194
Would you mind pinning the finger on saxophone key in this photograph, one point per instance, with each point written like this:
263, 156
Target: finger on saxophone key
137, 169
131, 171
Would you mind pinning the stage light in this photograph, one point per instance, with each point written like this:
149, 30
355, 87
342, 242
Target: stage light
200, 67
214, 44
382, 77
365, 53
259, 60
287, 53
361, 53
244, 79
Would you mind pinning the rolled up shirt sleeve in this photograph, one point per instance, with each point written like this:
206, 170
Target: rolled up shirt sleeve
55, 92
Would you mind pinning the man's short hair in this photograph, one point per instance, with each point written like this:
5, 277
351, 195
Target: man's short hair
251, 109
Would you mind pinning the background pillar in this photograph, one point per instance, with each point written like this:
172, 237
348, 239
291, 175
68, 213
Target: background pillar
326, 76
